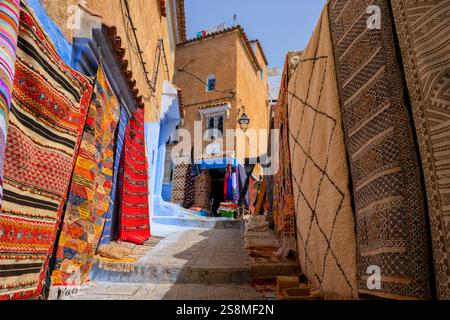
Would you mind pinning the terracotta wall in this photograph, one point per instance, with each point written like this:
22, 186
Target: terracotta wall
151, 26
226, 57
253, 92
211, 56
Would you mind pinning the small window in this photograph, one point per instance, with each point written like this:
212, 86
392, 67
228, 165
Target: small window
220, 125
210, 123
261, 74
215, 123
211, 83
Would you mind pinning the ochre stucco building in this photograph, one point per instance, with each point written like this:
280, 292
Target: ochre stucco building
223, 75
153, 20
239, 69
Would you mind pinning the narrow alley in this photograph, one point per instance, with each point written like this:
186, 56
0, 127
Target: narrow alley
277, 151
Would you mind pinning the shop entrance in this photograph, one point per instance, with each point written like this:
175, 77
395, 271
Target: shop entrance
217, 189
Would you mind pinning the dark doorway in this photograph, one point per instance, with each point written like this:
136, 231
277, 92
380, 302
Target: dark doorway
217, 192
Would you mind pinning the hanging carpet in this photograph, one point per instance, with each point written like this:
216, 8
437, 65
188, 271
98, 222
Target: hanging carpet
90, 188
9, 25
48, 110
392, 233
326, 236
111, 220
283, 197
423, 30
134, 215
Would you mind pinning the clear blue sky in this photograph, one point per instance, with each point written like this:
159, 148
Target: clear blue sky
280, 25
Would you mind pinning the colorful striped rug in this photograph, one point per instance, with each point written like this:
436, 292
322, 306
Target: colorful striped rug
48, 111
283, 197
9, 24
111, 219
89, 191
134, 216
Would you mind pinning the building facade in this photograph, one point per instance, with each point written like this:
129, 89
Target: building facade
223, 76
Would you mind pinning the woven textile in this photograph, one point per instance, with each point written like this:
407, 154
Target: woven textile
386, 177
91, 184
109, 230
283, 197
424, 34
181, 171
189, 188
202, 190
252, 193
9, 24
134, 220
325, 223
48, 111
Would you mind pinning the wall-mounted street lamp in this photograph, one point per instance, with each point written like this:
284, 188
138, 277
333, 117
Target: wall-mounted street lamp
244, 120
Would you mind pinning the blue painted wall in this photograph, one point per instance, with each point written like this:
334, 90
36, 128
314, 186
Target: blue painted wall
62, 45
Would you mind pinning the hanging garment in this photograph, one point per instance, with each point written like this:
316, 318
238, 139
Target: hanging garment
90, 188
48, 111
252, 192
236, 186
261, 197
386, 176
225, 184
326, 228
134, 216
111, 220
9, 24
424, 35
228, 184
283, 197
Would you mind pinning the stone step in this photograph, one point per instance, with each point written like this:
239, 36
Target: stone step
158, 274
132, 291
189, 255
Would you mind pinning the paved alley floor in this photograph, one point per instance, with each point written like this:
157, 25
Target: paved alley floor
189, 263
129, 291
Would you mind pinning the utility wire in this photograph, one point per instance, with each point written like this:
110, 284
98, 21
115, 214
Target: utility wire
230, 91
138, 48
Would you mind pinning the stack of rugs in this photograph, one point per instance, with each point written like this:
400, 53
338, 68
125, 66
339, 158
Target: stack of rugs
227, 210
290, 288
202, 191
123, 256
258, 236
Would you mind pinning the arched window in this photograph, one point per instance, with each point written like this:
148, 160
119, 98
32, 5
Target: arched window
211, 83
